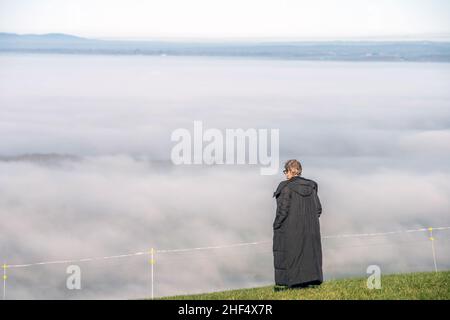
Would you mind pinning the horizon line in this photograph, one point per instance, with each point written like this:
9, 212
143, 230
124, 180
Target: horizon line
437, 37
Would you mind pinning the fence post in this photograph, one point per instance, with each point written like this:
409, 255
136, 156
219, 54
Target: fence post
4, 280
152, 262
433, 250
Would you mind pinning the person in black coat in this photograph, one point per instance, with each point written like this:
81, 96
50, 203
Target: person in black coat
297, 248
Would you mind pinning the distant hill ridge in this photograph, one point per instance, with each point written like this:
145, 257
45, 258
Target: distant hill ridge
46, 37
420, 51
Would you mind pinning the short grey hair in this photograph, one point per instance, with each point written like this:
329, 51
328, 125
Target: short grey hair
293, 166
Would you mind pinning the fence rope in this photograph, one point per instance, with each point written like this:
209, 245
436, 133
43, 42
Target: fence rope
139, 253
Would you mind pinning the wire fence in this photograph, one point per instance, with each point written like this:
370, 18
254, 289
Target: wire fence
153, 252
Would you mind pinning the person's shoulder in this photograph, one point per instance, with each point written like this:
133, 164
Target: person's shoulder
280, 188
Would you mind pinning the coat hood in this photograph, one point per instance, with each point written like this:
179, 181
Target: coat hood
302, 186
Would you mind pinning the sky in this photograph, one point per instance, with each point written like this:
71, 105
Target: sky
303, 19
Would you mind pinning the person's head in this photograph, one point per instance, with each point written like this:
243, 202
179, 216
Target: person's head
292, 168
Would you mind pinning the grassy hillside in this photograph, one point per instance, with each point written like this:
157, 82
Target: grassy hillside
423, 285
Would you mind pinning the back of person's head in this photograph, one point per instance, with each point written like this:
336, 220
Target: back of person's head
293, 166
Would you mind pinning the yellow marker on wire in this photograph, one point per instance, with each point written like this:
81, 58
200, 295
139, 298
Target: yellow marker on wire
152, 261
430, 229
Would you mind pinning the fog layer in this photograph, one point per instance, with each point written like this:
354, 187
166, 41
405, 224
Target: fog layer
375, 136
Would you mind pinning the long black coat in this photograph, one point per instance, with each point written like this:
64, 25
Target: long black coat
297, 247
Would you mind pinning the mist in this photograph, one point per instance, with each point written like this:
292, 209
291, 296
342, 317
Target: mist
85, 168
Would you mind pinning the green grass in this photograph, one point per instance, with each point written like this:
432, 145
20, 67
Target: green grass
422, 285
